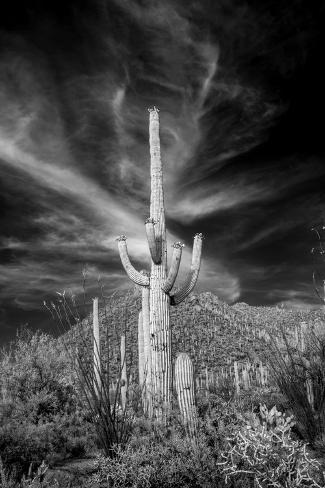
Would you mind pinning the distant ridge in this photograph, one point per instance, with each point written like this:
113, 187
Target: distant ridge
213, 333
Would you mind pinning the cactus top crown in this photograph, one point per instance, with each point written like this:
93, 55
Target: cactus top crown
153, 111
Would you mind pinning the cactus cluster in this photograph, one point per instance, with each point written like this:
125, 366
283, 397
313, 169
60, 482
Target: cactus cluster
154, 330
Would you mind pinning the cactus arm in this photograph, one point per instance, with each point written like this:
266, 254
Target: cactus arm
193, 274
174, 267
133, 274
154, 241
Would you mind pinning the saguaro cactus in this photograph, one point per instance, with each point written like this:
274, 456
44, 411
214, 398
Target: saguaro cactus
144, 350
159, 283
184, 379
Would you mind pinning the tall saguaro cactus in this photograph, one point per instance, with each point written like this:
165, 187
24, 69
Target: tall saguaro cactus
144, 350
141, 356
159, 283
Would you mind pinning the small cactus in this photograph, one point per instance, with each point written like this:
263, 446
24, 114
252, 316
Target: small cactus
275, 419
184, 382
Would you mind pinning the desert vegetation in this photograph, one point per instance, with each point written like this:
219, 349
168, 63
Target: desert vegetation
150, 394
271, 433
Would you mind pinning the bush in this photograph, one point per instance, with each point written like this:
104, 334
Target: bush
232, 449
31, 481
23, 442
263, 454
300, 376
157, 461
41, 418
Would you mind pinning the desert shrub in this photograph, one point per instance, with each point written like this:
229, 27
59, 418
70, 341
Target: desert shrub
263, 454
41, 417
35, 480
300, 376
156, 460
225, 389
217, 411
232, 449
24, 442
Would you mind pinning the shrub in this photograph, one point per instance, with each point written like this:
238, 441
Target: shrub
157, 461
41, 418
263, 454
232, 449
36, 481
22, 442
300, 376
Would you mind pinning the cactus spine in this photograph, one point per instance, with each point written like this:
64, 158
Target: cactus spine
158, 285
184, 380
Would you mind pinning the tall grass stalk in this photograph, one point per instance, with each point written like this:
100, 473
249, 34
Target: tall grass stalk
300, 376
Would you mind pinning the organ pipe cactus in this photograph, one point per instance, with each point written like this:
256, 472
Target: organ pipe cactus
184, 382
159, 283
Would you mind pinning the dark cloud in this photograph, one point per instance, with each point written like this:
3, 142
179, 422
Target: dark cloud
240, 89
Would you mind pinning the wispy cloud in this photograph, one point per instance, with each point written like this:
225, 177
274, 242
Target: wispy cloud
239, 189
74, 142
299, 298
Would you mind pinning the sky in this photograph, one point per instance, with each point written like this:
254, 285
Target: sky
240, 88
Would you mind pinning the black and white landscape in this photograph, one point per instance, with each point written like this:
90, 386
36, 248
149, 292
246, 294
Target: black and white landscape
135, 129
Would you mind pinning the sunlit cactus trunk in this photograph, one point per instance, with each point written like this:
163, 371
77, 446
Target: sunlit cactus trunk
184, 379
159, 300
141, 360
145, 352
157, 296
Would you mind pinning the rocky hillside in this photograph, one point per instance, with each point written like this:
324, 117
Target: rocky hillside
212, 332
